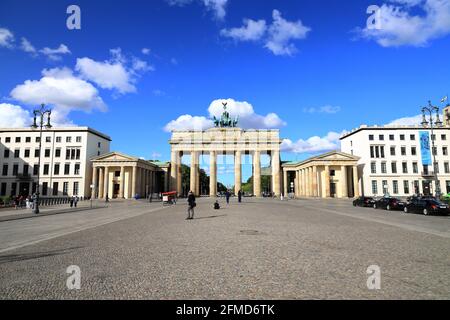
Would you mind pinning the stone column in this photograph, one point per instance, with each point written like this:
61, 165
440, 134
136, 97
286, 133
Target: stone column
285, 183
193, 179
344, 192
106, 183
237, 171
298, 183
276, 172
134, 182
122, 182
166, 181
213, 174
356, 181
94, 182
327, 182
197, 177
174, 163
314, 181
100, 182
257, 173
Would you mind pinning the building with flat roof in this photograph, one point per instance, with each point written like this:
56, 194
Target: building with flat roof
65, 169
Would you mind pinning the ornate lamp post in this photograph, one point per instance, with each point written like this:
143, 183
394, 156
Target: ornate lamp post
433, 123
41, 113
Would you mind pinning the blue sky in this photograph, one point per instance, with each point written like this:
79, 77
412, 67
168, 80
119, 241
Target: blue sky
310, 68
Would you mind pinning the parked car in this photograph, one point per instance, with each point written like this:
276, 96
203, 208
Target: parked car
389, 203
363, 202
427, 207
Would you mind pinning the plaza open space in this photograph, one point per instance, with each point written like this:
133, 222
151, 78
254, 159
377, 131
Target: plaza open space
258, 249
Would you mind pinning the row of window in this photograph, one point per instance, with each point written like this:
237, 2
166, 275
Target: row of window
377, 152
412, 137
46, 170
404, 168
71, 153
25, 189
413, 188
47, 139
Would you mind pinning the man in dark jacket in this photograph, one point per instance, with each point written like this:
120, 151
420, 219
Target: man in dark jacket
240, 196
191, 205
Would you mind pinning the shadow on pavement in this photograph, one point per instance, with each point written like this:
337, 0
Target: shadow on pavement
35, 255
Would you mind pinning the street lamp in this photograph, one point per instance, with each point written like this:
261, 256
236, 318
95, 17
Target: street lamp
41, 113
433, 123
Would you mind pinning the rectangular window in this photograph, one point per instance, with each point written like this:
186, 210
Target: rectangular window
403, 151
374, 187
13, 189
65, 188
15, 169
8, 139
402, 137
395, 186
373, 167
77, 169
394, 167
3, 189
413, 151
5, 170
55, 188
35, 169
26, 169
446, 167
383, 168
406, 187
372, 153
415, 167
46, 169
36, 153
434, 151
28, 139
416, 187
17, 139
370, 137
58, 153
16, 153
75, 188
68, 139
381, 137
58, 139
78, 139
48, 139
405, 167
433, 137
38, 139
67, 169
385, 187
382, 152
27, 153
377, 152
412, 137
44, 188
47, 153
67, 154
56, 169
78, 152
6, 153
392, 151
72, 154
445, 151
391, 137
443, 137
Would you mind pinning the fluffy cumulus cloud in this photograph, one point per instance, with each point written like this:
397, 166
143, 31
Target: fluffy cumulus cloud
248, 118
6, 38
218, 7
55, 54
26, 46
324, 109
407, 121
277, 37
62, 90
118, 73
13, 116
314, 144
410, 23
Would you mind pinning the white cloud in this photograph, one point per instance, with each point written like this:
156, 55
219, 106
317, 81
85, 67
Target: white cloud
406, 121
26, 46
313, 144
114, 73
146, 51
60, 89
248, 119
55, 54
188, 122
6, 38
400, 26
218, 7
277, 37
13, 116
324, 109
251, 31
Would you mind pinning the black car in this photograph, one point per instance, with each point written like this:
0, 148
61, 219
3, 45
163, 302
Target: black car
363, 202
389, 203
426, 207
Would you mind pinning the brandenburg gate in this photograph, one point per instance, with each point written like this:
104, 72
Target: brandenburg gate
225, 139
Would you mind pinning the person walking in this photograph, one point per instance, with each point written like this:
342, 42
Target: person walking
239, 196
227, 196
106, 198
191, 205
75, 201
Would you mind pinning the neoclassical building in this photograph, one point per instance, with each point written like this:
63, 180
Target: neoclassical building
117, 175
333, 174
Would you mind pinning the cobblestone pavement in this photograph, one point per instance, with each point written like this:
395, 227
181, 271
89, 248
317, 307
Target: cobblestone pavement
260, 249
